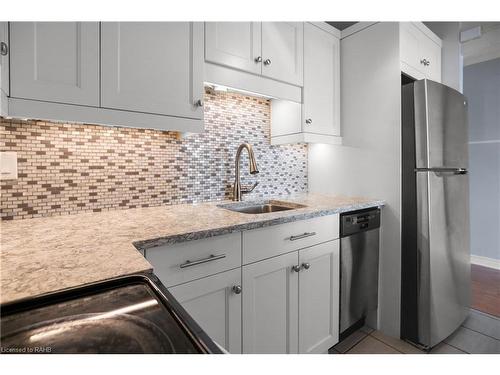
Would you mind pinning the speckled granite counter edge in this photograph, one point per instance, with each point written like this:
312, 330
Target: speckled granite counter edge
198, 235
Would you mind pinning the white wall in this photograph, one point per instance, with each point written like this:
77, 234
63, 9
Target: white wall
368, 164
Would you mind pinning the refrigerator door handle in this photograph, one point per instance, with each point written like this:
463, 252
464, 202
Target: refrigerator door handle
443, 170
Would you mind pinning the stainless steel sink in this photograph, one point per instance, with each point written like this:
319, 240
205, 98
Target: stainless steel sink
261, 207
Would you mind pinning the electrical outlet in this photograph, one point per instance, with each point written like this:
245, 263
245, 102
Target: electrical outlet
8, 165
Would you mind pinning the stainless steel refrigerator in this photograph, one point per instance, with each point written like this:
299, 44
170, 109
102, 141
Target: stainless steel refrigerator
435, 290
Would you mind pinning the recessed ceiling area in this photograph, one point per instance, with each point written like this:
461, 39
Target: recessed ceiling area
341, 25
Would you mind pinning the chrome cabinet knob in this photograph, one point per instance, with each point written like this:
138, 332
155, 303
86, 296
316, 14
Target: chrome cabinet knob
296, 268
4, 50
237, 289
258, 59
309, 121
306, 266
199, 103
267, 62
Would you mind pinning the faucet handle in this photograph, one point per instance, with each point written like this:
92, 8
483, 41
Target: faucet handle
249, 189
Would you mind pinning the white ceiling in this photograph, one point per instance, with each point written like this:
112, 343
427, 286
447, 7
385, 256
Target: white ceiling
487, 47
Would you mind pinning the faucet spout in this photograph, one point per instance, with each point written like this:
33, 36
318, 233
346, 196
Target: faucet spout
237, 191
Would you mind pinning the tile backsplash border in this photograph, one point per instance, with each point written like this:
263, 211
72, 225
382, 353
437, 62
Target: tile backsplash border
66, 168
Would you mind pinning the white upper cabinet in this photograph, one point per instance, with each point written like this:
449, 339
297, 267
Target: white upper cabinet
153, 67
270, 306
420, 51
319, 297
234, 44
283, 51
272, 50
55, 61
317, 119
214, 302
432, 65
321, 107
4, 67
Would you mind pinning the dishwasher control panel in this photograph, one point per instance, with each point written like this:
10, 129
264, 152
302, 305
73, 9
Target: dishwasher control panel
359, 221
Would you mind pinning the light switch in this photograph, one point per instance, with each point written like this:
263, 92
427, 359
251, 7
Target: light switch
8, 165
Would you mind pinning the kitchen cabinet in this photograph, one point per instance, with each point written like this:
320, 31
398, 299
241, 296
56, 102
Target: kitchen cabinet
189, 260
273, 50
319, 285
420, 51
289, 278
153, 67
283, 51
141, 75
55, 61
234, 44
214, 302
291, 302
317, 119
321, 108
270, 305
4, 67
267, 242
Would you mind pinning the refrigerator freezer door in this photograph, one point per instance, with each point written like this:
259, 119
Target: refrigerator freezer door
443, 245
441, 132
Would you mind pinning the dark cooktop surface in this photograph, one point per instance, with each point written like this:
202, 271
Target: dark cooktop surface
126, 319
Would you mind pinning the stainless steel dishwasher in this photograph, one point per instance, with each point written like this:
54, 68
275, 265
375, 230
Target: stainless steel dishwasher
359, 253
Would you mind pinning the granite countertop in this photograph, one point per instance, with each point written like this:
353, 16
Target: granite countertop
47, 254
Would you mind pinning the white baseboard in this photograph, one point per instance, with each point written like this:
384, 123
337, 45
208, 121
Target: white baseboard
485, 262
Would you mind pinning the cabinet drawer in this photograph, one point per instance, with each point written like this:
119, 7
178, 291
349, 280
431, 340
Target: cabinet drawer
186, 261
279, 239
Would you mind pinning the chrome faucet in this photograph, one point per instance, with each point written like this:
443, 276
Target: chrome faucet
237, 188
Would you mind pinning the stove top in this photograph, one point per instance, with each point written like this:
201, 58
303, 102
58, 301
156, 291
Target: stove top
134, 314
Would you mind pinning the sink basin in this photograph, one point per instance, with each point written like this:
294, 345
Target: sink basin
261, 207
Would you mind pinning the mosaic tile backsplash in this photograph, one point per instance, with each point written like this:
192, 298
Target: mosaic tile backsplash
66, 168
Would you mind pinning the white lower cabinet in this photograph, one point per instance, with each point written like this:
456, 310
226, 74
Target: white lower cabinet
291, 302
268, 290
270, 305
319, 279
215, 304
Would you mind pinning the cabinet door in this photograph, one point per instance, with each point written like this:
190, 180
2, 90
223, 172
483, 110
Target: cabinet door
432, 53
234, 44
55, 61
321, 82
319, 297
153, 67
4, 58
283, 51
215, 306
4, 68
409, 40
270, 305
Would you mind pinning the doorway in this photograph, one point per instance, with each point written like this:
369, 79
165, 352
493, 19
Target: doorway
482, 88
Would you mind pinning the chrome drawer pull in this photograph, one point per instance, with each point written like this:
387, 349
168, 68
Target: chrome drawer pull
303, 235
211, 258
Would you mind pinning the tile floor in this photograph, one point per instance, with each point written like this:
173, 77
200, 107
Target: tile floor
479, 334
